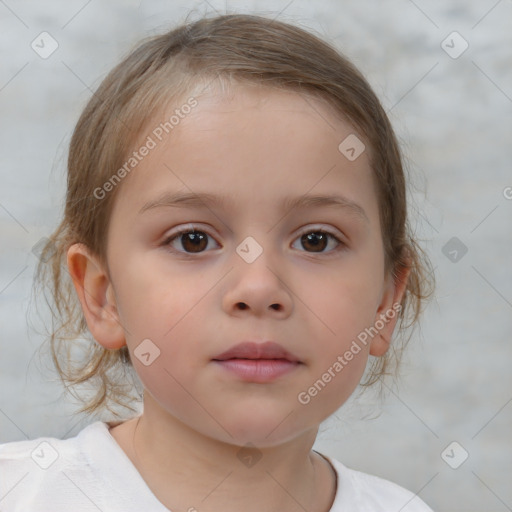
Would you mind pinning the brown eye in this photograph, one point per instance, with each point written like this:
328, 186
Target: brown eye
192, 241
318, 241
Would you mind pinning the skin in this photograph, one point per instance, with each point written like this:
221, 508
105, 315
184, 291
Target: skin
256, 146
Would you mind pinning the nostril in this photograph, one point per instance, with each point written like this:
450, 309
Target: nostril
243, 305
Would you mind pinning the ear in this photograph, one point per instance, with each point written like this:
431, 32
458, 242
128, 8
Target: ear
96, 295
389, 310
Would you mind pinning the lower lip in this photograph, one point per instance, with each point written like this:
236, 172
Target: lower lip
258, 370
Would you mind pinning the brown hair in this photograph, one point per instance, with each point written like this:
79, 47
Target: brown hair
238, 48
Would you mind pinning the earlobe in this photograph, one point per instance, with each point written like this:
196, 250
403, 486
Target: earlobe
96, 295
389, 311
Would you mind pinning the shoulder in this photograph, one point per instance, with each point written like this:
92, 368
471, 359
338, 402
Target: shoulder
45, 469
372, 493
44, 452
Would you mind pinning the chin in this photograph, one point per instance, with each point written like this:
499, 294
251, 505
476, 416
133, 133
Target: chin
264, 429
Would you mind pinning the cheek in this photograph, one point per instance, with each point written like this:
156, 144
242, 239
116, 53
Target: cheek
165, 339
160, 313
342, 301
343, 310
153, 300
339, 312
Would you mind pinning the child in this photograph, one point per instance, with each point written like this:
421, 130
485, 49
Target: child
235, 230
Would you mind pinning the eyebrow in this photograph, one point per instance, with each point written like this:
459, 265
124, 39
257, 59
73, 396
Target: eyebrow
208, 201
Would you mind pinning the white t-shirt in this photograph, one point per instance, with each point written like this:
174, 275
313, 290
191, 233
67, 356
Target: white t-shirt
91, 473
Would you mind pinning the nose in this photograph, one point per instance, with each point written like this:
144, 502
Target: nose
257, 289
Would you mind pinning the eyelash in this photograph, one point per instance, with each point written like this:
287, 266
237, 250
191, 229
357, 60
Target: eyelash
193, 229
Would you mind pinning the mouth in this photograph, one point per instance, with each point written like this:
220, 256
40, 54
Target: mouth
254, 351
258, 362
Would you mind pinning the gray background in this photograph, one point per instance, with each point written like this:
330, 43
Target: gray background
453, 118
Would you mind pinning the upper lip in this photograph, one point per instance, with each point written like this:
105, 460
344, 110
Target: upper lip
253, 350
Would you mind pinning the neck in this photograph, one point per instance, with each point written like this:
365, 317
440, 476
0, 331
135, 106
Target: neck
186, 470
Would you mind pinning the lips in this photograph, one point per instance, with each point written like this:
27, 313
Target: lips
260, 363
251, 350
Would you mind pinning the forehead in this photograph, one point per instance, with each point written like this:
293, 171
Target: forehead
250, 143
254, 106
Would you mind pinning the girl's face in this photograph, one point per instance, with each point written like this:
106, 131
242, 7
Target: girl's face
265, 259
